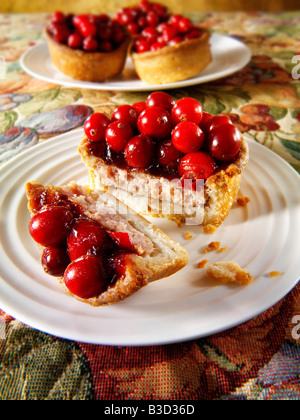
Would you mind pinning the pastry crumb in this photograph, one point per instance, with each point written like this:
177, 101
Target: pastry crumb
202, 264
229, 272
188, 235
209, 229
274, 273
224, 249
243, 201
214, 246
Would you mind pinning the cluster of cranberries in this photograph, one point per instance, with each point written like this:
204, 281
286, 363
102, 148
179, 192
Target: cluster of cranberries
87, 32
78, 248
176, 30
161, 135
145, 14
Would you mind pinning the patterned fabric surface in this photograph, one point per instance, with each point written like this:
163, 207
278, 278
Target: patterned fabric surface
259, 360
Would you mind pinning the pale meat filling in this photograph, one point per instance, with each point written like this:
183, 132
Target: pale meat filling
106, 214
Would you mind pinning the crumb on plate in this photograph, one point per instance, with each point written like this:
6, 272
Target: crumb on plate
229, 272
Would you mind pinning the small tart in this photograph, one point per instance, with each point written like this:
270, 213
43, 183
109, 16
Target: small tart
158, 196
174, 63
88, 66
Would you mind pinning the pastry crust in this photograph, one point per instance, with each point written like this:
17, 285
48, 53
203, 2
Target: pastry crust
134, 187
174, 63
164, 259
88, 66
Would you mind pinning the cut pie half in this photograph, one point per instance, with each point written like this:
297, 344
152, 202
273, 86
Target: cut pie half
100, 250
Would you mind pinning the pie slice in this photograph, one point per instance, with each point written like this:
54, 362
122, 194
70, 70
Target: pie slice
100, 250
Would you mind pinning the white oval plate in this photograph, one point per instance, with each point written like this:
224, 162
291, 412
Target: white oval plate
264, 236
229, 56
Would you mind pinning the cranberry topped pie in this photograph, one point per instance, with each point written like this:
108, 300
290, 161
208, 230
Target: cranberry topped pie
167, 159
100, 251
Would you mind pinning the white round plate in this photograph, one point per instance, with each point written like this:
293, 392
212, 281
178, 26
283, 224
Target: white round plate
264, 236
229, 56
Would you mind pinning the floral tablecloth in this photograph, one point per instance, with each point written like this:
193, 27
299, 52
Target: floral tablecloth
258, 360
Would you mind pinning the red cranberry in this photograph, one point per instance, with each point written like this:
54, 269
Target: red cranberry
174, 20
125, 113
59, 31
86, 237
224, 142
158, 45
133, 28
150, 33
87, 29
217, 120
50, 226
85, 277
95, 126
105, 32
198, 165
152, 19
185, 25
106, 46
143, 46
187, 109
155, 122
90, 44
167, 155
58, 17
118, 135
161, 100
140, 107
206, 117
139, 152
75, 40
122, 239
55, 260
193, 34
188, 137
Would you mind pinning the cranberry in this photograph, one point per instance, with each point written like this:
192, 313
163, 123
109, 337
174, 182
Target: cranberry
152, 19
85, 277
185, 25
161, 100
193, 34
95, 126
169, 33
55, 260
175, 40
217, 120
140, 107
224, 142
122, 239
106, 46
87, 28
187, 109
158, 45
139, 152
59, 31
174, 20
143, 46
133, 28
86, 237
205, 121
105, 32
118, 135
167, 155
125, 113
58, 17
75, 40
118, 33
198, 165
90, 44
188, 137
50, 226
155, 122
150, 33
